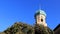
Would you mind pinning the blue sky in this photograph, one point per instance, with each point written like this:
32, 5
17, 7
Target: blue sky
12, 11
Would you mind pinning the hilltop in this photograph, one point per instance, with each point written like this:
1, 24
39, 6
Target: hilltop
21, 28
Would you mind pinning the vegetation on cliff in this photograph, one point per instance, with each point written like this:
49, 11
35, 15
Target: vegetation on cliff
21, 28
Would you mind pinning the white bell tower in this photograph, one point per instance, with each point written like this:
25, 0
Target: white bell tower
40, 17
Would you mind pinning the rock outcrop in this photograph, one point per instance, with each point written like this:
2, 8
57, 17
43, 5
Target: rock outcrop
21, 28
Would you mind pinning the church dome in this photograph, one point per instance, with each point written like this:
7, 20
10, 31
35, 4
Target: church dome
41, 12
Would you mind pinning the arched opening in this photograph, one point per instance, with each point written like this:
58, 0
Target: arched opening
41, 20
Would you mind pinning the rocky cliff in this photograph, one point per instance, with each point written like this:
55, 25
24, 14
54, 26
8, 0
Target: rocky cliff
21, 28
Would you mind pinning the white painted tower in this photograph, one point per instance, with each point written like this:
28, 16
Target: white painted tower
40, 17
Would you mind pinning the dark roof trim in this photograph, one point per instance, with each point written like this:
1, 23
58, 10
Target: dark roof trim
57, 27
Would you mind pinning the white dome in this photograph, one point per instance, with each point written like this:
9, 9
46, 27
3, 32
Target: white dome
41, 12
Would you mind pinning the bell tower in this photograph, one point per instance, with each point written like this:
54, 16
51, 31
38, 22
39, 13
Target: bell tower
40, 18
